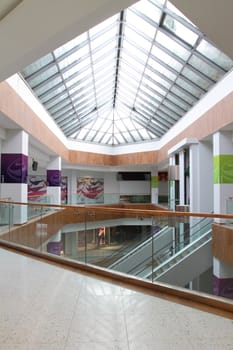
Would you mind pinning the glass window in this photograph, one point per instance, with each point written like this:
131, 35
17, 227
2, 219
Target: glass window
173, 46
215, 55
205, 68
180, 30
195, 77
37, 65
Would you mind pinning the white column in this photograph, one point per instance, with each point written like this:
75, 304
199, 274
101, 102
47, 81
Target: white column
223, 190
181, 178
14, 172
172, 194
154, 186
223, 170
73, 187
54, 181
201, 177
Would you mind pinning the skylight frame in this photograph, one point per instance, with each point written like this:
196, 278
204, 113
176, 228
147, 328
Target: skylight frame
80, 90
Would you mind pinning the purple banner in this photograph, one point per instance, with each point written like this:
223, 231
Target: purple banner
54, 177
223, 287
14, 168
54, 248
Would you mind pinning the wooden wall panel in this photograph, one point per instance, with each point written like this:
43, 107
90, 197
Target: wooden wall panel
222, 244
78, 157
150, 157
15, 109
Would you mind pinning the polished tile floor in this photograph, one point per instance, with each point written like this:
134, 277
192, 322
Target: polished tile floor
45, 307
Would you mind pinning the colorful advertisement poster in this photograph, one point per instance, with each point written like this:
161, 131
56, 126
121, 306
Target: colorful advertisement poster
37, 187
90, 190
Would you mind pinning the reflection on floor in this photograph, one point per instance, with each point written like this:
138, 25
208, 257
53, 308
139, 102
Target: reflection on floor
47, 307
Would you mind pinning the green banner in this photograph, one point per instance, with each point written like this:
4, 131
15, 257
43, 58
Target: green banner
223, 169
154, 182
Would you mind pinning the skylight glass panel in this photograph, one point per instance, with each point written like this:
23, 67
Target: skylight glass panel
121, 126
137, 39
100, 40
61, 108
135, 134
135, 51
148, 9
82, 134
126, 91
98, 123
57, 100
120, 138
158, 79
194, 90
74, 57
98, 137
77, 68
185, 96
151, 92
49, 85
169, 112
215, 55
128, 123
106, 138
161, 69
37, 65
173, 46
164, 117
104, 98
127, 136
146, 99
129, 70
181, 31
125, 84
43, 77
70, 45
167, 59
107, 124
205, 68
107, 50
52, 94
129, 78
178, 101
91, 134
105, 62
198, 79
152, 85
142, 24
174, 107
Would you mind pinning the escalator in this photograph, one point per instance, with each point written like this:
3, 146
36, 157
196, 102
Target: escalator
176, 262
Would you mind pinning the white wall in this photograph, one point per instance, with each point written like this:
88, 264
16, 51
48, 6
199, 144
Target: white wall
112, 187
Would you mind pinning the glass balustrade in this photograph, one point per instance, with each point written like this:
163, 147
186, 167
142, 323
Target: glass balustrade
138, 240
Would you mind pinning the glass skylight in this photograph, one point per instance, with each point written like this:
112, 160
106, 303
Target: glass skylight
130, 78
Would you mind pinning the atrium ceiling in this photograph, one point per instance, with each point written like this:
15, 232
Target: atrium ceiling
130, 78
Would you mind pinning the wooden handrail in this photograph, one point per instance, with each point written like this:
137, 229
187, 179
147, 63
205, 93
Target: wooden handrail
116, 209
